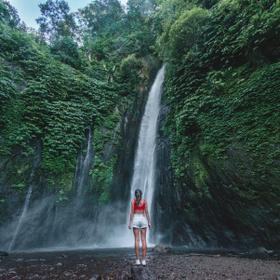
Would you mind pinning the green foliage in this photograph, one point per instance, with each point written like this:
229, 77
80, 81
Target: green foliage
45, 99
185, 32
66, 50
222, 90
110, 34
8, 14
101, 16
130, 70
228, 109
54, 90
56, 20
106, 139
242, 30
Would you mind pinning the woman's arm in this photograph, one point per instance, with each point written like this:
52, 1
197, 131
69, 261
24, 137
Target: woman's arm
147, 215
131, 215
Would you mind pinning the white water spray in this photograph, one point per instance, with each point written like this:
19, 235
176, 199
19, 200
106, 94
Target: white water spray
21, 218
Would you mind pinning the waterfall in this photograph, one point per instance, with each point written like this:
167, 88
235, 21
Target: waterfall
144, 164
85, 164
21, 218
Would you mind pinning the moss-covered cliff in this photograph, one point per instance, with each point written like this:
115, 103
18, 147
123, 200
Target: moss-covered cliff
53, 91
222, 89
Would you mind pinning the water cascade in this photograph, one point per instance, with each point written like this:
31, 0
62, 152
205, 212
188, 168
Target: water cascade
21, 217
85, 165
143, 172
35, 165
144, 164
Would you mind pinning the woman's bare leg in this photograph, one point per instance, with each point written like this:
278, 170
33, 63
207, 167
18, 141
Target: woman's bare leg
136, 238
143, 241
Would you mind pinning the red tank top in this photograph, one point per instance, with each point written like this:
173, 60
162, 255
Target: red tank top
139, 208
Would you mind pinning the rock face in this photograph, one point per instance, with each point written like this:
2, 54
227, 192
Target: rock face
165, 195
29, 174
225, 180
210, 212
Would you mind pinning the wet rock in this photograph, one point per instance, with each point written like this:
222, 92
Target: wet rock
34, 277
4, 254
95, 277
123, 275
161, 249
16, 277
141, 273
44, 277
260, 250
2, 273
81, 265
67, 273
12, 271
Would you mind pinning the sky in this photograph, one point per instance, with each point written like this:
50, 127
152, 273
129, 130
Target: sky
28, 10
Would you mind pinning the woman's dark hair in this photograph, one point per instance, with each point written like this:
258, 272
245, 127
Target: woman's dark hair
138, 192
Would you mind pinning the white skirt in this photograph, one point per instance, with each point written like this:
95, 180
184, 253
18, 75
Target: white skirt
139, 221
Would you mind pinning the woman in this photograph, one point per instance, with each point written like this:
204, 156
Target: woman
139, 218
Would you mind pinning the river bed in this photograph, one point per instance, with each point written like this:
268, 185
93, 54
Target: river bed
119, 264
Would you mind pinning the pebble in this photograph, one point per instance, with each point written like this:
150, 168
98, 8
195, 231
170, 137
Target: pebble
16, 277
11, 273
34, 277
67, 273
160, 266
81, 265
95, 277
124, 275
